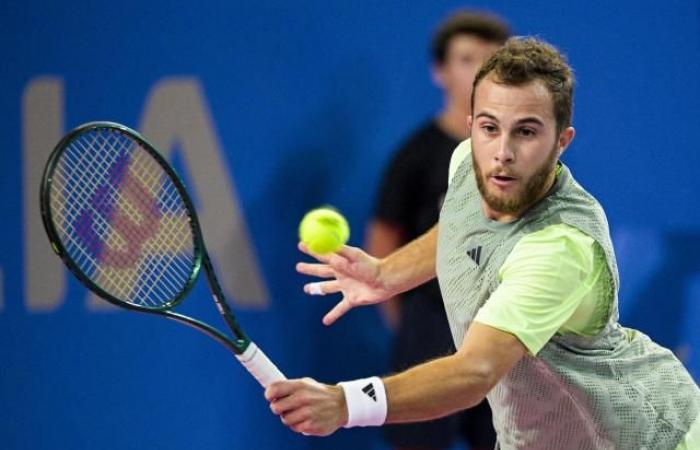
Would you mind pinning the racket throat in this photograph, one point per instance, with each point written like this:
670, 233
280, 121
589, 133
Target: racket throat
242, 340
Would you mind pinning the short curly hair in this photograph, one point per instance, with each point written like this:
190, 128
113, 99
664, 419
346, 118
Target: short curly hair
524, 59
483, 25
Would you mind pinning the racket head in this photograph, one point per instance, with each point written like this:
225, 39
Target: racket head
120, 218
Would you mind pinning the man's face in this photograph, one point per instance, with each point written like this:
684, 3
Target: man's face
515, 146
465, 54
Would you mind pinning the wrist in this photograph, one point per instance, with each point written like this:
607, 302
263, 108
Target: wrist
365, 402
342, 405
385, 279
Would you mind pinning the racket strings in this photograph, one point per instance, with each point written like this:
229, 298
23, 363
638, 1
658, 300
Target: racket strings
121, 218
73, 186
84, 171
151, 277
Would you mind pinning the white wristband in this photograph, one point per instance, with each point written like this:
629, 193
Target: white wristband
366, 400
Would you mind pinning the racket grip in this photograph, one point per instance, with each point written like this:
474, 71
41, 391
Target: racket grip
260, 366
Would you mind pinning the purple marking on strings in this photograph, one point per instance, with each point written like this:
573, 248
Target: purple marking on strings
102, 203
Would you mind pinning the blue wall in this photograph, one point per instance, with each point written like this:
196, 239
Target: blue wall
302, 104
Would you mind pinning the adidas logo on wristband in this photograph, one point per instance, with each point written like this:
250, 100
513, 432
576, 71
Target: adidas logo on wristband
369, 390
366, 402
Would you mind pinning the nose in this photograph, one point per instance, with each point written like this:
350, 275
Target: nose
504, 153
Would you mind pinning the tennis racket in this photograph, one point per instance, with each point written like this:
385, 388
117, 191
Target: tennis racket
121, 220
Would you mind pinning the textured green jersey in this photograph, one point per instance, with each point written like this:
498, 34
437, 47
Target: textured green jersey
612, 389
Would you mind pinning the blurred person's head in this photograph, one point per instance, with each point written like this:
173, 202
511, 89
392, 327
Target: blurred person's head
460, 45
521, 124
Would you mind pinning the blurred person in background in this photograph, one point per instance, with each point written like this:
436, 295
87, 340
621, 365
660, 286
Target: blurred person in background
408, 205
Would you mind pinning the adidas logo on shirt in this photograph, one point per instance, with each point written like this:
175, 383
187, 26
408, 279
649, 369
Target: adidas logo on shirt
475, 254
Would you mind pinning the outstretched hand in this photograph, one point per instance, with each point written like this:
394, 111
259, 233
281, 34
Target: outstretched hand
351, 272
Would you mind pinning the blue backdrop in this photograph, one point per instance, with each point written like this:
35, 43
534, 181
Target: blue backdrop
269, 109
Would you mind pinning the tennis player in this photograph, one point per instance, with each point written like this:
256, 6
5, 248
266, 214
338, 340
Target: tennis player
529, 280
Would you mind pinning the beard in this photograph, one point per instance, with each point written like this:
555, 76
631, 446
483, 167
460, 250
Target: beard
524, 197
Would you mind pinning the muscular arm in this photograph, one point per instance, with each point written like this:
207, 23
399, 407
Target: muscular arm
430, 390
411, 265
459, 381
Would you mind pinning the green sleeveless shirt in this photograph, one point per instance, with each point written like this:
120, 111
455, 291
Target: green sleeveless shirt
614, 390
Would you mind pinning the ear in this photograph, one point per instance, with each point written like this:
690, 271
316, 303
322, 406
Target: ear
565, 138
470, 119
438, 75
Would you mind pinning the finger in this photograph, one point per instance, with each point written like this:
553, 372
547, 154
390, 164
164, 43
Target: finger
338, 310
304, 249
304, 428
322, 287
348, 252
286, 405
280, 389
339, 263
295, 417
315, 270
330, 258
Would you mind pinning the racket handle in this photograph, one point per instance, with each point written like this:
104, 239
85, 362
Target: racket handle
260, 366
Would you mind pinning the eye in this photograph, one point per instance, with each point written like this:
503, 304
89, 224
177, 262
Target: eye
527, 132
489, 128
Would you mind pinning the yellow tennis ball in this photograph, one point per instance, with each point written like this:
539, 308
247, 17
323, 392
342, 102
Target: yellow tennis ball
324, 230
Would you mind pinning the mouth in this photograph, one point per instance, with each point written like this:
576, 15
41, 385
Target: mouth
503, 180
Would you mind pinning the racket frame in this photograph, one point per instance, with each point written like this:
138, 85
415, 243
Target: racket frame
200, 257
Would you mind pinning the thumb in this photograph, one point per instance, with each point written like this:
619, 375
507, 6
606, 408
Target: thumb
338, 310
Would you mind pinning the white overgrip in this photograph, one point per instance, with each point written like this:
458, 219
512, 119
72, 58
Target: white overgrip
260, 366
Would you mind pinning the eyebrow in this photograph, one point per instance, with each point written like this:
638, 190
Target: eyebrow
525, 120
